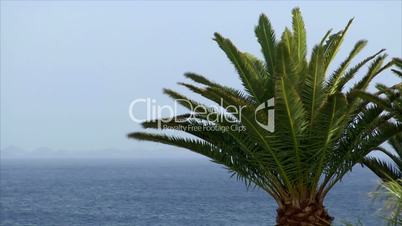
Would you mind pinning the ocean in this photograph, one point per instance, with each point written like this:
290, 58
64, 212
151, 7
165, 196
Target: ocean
154, 192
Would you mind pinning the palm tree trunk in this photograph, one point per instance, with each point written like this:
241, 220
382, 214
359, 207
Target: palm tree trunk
307, 214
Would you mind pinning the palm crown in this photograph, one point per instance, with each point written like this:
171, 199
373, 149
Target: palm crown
320, 132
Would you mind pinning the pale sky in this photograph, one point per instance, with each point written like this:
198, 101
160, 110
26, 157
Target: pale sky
69, 69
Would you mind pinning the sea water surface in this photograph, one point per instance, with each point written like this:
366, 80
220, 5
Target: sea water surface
154, 192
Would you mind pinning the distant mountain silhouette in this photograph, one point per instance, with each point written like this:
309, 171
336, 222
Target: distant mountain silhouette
14, 152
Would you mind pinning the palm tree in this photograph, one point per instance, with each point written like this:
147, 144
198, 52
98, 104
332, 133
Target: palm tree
321, 132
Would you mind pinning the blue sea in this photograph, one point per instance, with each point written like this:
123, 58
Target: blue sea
154, 192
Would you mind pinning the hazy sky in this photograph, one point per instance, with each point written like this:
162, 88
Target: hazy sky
69, 69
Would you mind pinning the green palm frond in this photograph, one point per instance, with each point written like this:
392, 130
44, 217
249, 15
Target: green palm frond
300, 44
266, 37
244, 66
351, 73
333, 44
391, 103
335, 79
383, 169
